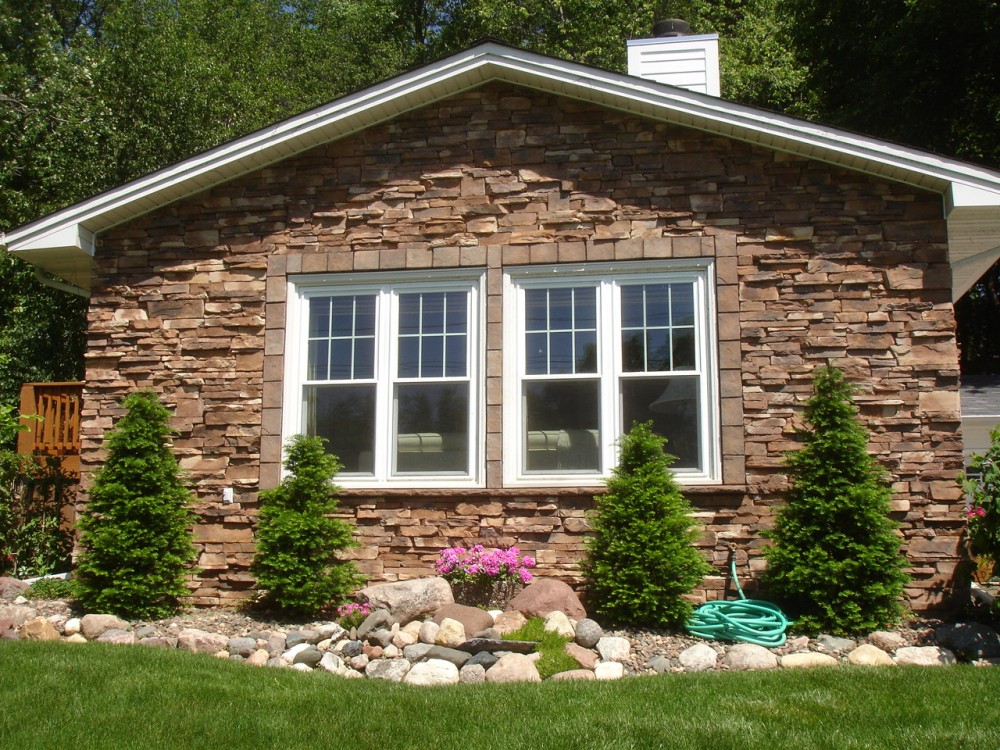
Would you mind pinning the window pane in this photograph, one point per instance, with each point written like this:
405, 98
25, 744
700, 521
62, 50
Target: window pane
343, 316
341, 359
455, 364
658, 304
364, 358
345, 416
672, 404
536, 311
561, 426
682, 304
560, 309
432, 428
432, 357
409, 314
585, 307
684, 349
456, 315
633, 313
561, 353
364, 315
586, 351
658, 350
537, 354
633, 351
318, 367
319, 317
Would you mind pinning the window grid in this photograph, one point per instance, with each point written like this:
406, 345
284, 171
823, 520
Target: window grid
579, 333
453, 359
358, 365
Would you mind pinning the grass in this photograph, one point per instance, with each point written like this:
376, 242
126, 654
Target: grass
550, 645
97, 696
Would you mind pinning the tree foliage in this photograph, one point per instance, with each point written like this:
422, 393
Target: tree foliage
297, 565
135, 544
835, 560
641, 561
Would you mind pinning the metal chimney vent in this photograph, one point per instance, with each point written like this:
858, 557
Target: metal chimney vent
677, 57
671, 27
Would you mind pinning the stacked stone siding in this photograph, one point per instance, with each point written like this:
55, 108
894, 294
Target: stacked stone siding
813, 265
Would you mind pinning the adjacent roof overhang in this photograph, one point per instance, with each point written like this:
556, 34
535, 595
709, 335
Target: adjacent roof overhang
62, 243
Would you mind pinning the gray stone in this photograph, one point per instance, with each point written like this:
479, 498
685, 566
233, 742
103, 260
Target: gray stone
117, 636
39, 629
925, 656
484, 659
330, 630
544, 595
294, 651
614, 648
660, 664
831, 644
242, 646
295, 637
472, 674
868, 655
156, 641
456, 657
513, 668
380, 637
473, 619
807, 660
93, 625
574, 674
409, 600
969, 640
275, 644
198, 641
146, 631
476, 645
392, 670
432, 672
417, 651
698, 658
309, 656
351, 649
744, 656
491, 633
609, 670
588, 633
379, 619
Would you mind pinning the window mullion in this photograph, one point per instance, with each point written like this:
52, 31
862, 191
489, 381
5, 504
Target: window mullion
385, 378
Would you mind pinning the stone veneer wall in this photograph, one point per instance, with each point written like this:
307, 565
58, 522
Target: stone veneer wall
813, 265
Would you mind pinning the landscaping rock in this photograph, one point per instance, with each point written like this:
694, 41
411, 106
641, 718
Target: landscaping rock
418, 651
76, 638
925, 656
330, 630
557, 622
831, 644
698, 658
474, 620
609, 670
295, 637
145, 631
294, 651
485, 659
574, 674
121, 637
195, 640
586, 658
451, 633
476, 645
39, 629
513, 668
588, 633
402, 639
807, 660
443, 653
432, 672
614, 648
72, 626
408, 600
276, 643
241, 646
970, 640
380, 637
429, 632
887, 640
508, 622
156, 641
11, 587
332, 663
351, 649
660, 664
544, 595
472, 674
93, 625
868, 655
310, 656
745, 656
379, 619
392, 670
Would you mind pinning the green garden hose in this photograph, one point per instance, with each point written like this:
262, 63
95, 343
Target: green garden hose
749, 620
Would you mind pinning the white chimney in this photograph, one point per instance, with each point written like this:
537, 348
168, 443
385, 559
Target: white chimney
680, 59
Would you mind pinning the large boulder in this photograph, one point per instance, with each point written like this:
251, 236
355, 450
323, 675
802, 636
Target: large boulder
432, 672
749, 656
544, 595
513, 668
198, 641
39, 629
408, 600
970, 640
11, 588
94, 626
14, 616
474, 620
925, 656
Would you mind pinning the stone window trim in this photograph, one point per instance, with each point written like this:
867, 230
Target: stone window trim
383, 466
606, 382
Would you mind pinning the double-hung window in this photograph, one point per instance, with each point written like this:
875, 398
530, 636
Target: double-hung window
386, 368
589, 350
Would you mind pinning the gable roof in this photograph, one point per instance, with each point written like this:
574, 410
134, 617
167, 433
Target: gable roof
62, 243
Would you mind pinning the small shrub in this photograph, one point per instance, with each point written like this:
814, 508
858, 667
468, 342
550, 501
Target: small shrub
485, 578
551, 646
51, 588
982, 487
135, 542
641, 561
835, 562
296, 563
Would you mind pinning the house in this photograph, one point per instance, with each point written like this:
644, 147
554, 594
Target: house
471, 277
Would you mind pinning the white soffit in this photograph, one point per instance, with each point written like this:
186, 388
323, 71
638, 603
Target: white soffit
69, 232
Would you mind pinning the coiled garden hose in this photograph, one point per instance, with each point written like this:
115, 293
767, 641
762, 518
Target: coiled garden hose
749, 620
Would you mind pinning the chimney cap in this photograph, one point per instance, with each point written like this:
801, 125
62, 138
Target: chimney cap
670, 27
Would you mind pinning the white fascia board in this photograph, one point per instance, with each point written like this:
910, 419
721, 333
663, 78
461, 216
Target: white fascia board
493, 61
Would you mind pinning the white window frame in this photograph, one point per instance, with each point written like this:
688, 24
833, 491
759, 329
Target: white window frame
387, 286
609, 277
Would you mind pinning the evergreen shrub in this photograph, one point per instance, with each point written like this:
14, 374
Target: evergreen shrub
135, 539
641, 561
297, 565
835, 563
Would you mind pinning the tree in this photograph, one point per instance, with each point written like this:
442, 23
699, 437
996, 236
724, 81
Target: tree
297, 564
835, 562
641, 561
135, 542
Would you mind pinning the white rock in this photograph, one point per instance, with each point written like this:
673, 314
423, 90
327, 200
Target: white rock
557, 622
258, 658
807, 660
429, 632
925, 656
332, 663
749, 656
614, 648
20, 600
513, 668
391, 652
330, 630
301, 668
698, 658
408, 600
609, 670
451, 633
472, 674
432, 672
867, 655
412, 628
392, 670
402, 639
224, 654
76, 638
294, 651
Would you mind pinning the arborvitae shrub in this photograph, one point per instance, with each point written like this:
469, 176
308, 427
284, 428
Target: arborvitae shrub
296, 564
135, 539
835, 562
641, 561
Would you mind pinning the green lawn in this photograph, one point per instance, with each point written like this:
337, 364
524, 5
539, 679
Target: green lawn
55, 695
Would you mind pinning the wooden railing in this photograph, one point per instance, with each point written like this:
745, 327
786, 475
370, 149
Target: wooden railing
57, 432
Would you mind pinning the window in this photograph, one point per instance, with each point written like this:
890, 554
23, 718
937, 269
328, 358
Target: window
591, 349
386, 368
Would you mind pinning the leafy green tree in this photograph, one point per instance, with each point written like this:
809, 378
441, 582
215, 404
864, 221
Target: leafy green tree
135, 540
641, 561
835, 561
298, 543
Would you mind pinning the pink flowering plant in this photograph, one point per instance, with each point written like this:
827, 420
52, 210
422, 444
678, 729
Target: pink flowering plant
487, 577
982, 511
352, 614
